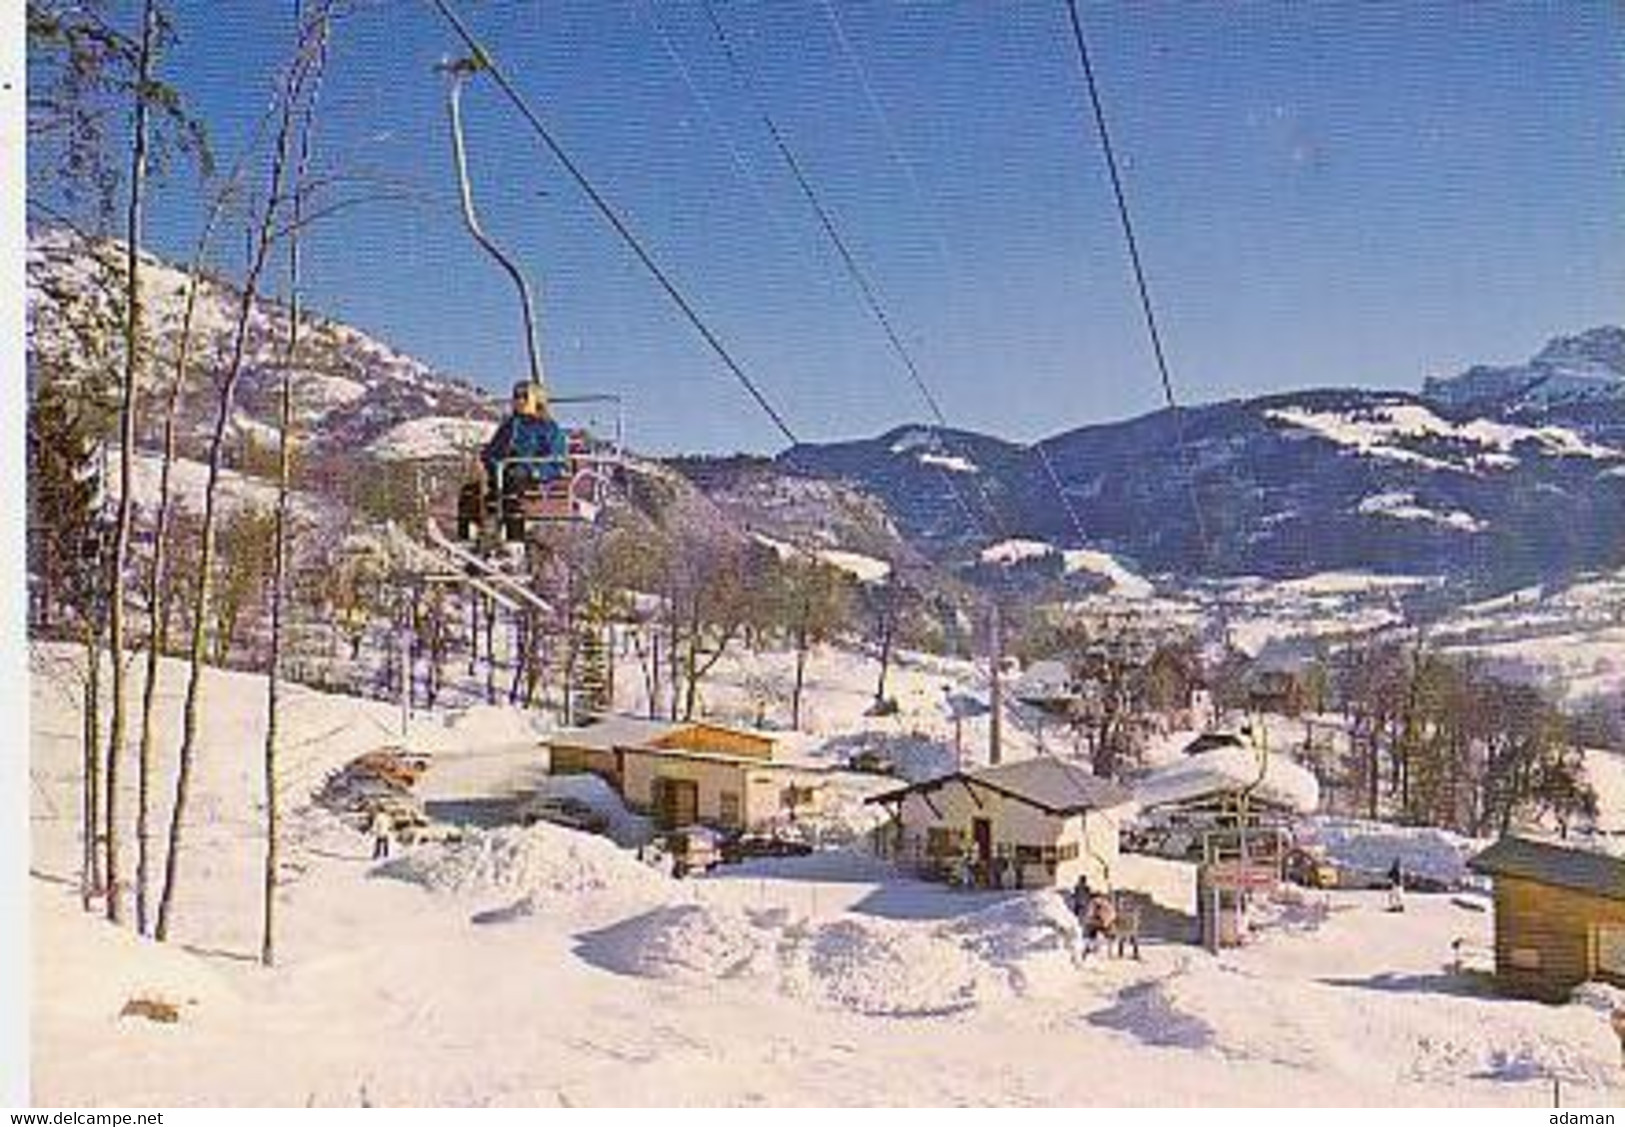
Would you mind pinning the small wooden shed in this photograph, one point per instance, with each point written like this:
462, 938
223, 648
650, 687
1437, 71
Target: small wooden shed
1559, 916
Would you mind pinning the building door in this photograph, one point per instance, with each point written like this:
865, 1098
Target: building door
981, 832
676, 802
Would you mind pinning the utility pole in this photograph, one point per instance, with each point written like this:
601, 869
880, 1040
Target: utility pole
403, 641
995, 726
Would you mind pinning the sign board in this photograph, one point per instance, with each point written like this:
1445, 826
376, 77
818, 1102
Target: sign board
1234, 875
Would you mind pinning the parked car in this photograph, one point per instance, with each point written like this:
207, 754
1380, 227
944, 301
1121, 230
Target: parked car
871, 763
1310, 868
763, 845
571, 813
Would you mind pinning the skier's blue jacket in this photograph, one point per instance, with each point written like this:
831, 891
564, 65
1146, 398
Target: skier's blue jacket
527, 436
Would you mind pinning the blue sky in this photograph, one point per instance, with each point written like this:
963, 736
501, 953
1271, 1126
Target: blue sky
1327, 194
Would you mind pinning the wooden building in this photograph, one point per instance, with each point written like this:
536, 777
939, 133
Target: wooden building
1034, 823
1559, 916
682, 773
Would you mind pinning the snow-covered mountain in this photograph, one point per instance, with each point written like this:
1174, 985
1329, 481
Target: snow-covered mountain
357, 400
1586, 367
1497, 476
1494, 489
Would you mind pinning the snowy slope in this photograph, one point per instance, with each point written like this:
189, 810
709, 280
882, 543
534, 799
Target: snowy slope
819, 980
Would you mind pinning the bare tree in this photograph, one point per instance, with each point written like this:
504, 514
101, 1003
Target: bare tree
291, 95
317, 35
134, 350
158, 577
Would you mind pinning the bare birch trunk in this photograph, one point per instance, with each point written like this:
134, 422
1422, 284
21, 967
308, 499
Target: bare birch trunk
293, 85
127, 433
157, 603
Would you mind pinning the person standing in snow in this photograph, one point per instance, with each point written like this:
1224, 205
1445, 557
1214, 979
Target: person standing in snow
1081, 895
381, 827
1396, 887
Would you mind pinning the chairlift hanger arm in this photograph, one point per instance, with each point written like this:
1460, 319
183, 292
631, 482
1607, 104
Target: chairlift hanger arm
460, 72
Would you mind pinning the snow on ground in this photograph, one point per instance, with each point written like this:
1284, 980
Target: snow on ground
1373, 847
865, 569
1402, 505
1381, 431
188, 479
538, 967
1124, 581
434, 436
1569, 638
1015, 551
953, 463
317, 393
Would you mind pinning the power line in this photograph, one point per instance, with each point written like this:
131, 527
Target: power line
945, 255
742, 166
1147, 309
854, 269
611, 216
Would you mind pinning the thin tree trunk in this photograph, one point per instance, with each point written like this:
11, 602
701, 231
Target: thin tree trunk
204, 590
90, 877
490, 651
127, 433
801, 679
886, 631
279, 559
157, 602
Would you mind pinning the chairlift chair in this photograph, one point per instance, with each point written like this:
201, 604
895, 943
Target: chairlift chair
528, 493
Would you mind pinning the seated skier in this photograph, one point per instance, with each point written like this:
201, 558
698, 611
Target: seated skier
529, 447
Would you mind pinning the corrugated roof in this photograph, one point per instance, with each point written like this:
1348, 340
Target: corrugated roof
1579, 869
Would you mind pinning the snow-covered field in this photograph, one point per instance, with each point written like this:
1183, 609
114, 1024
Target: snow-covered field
542, 967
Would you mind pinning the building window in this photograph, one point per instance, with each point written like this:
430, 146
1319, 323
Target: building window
941, 842
1611, 950
728, 811
1067, 851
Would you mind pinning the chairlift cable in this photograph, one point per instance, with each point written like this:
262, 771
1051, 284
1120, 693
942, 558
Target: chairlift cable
940, 240
610, 215
741, 164
1147, 308
860, 278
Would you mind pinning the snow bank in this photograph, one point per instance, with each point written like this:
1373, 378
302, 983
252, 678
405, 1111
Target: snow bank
540, 861
1019, 947
885, 968
699, 942
625, 827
